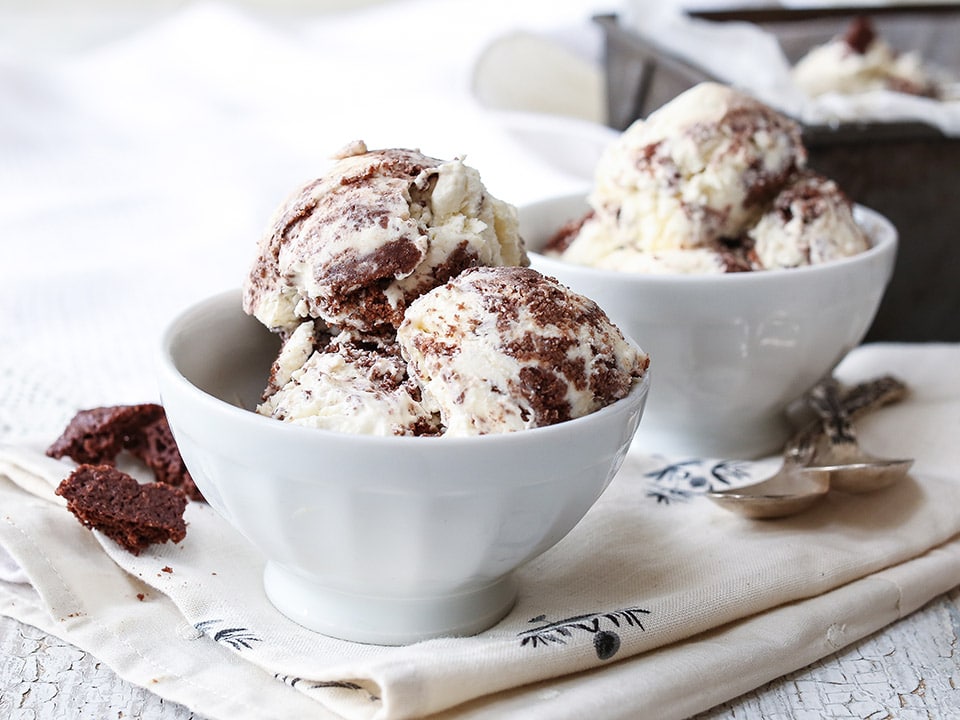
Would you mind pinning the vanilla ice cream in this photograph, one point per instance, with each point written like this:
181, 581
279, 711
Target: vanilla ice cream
505, 349
811, 221
353, 247
860, 61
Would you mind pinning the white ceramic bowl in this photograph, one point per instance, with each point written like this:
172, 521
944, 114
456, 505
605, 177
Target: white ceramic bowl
728, 352
384, 540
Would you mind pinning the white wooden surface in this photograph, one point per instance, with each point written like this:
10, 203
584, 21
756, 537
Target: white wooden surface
910, 670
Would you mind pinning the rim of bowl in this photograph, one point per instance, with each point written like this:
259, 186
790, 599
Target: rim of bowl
883, 235
166, 366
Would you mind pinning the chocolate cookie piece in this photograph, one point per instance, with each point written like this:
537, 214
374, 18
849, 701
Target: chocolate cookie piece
98, 435
134, 515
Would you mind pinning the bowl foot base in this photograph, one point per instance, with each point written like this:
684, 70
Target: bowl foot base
384, 620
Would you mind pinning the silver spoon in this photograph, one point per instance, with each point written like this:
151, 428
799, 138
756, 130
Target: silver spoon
851, 469
790, 490
796, 486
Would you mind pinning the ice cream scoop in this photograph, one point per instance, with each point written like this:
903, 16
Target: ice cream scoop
347, 385
810, 221
506, 348
713, 182
696, 170
400, 289
380, 228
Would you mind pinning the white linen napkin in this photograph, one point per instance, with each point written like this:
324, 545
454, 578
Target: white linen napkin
655, 576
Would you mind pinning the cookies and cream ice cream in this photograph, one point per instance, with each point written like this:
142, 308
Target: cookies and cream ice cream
401, 292
346, 385
809, 222
861, 61
691, 188
694, 171
381, 227
505, 349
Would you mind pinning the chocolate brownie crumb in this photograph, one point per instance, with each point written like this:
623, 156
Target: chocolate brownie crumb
736, 254
97, 436
156, 447
133, 515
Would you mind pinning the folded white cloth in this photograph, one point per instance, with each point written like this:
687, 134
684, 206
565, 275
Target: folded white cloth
656, 584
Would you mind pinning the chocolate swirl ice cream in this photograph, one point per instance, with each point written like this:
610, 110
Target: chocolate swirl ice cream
506, 348
691, 188
399, 286
353, 247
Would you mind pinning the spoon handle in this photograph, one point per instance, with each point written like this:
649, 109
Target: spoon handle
824, 398
872, 394
857, 401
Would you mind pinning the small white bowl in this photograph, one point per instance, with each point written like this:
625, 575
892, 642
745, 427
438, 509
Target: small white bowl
385, 540
729, 352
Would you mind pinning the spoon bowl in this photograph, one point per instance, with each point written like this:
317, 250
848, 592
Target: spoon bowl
820, 457
864, 473
792, 489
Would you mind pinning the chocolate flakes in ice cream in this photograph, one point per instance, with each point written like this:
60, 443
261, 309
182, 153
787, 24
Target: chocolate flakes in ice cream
809, 222
349, 385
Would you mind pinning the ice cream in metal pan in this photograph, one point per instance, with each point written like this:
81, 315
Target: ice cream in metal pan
861, 61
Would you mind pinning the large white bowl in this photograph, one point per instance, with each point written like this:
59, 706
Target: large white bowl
728, 352
383, 540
